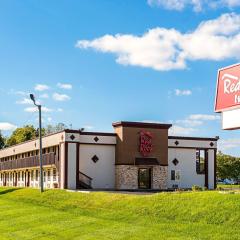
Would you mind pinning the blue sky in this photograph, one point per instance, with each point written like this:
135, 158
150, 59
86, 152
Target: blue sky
91, 63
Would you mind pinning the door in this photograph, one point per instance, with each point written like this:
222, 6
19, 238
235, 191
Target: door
144, 178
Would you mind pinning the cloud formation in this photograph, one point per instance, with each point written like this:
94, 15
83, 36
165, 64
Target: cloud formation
41, 87
166, 49
34, 109
186, 92
60, 97
25, 101
197, 5
64, 86
5, 126
230, 143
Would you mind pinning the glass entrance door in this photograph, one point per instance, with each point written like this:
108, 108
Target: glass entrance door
144, 178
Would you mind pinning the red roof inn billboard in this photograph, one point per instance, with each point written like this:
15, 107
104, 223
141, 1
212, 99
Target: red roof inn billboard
228, 88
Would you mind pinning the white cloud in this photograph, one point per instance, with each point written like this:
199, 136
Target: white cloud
41, 87
166, 49
59, 110
64, 85
60, 97
189, 122
34, 109
226, 144
5, 126
44, 95
177, 4
179, 130
186, 92
204, 117
25, 101
197, 5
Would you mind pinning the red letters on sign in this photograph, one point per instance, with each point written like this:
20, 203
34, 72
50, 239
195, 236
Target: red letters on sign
228, 88
145, 143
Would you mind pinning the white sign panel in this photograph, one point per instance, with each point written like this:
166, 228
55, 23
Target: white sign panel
231, 119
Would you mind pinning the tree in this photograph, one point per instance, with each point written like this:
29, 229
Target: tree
23, 134
228, 166
57, 128
2, 141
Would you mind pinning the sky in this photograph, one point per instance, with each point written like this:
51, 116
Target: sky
91, 63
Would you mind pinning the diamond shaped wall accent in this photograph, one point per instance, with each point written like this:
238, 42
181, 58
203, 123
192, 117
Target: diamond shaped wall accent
176, 143
72, 137
211, 144
95, 158
175, 161
96, 139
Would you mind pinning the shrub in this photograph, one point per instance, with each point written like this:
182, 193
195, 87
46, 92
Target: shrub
196, 188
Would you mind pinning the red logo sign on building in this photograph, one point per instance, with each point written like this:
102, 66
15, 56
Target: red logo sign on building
228, 88
145, 143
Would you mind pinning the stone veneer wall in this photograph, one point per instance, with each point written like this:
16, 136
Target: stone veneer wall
159, 177
126, 177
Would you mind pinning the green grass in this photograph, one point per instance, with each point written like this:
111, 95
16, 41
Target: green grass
56, 214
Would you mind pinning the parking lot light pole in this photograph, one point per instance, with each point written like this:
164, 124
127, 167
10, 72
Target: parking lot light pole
40, 140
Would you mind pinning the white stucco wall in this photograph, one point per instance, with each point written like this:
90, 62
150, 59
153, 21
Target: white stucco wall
103, 171
211, 169
62, 165
186, 166
71, 180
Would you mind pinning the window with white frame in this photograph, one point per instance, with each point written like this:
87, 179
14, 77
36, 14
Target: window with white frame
49, 175
175, 175
54, 174
201, 155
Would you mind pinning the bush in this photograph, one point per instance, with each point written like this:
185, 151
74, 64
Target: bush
197, 188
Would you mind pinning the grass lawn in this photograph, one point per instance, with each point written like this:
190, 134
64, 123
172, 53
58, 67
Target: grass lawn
57, 214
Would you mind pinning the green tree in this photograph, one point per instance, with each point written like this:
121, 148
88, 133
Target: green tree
2, 141
22, 134
228, 166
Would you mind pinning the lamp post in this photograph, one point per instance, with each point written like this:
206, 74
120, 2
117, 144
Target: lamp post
40, 140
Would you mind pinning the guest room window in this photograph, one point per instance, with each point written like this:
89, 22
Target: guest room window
200, 161
54, 174
175, 175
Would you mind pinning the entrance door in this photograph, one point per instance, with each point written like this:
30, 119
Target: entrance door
144, 178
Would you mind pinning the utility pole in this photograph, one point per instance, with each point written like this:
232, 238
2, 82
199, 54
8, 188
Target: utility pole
40, 140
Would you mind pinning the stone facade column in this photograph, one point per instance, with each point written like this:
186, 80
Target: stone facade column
126, 177
159, 177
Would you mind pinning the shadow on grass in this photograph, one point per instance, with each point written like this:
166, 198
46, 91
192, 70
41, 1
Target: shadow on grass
9, 190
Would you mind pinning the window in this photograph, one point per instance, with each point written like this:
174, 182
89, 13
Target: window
22, 176
36, 176
44, 176
175, 175
54, 174
201, 156
49, 175
18, 176
31, 175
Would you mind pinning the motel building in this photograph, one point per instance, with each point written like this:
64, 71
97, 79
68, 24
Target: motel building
137, 156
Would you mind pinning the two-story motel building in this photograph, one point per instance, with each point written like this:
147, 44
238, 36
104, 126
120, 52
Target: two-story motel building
137, 156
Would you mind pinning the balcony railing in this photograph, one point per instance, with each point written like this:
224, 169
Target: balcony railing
48, 159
